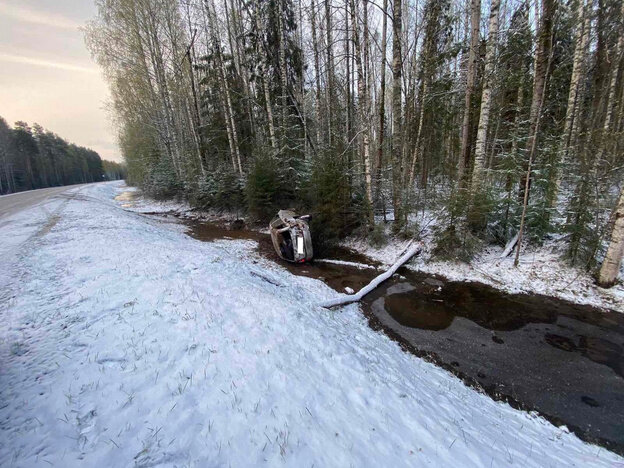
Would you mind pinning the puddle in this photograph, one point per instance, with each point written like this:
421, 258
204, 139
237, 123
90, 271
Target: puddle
563, 360
417, 305
128, 197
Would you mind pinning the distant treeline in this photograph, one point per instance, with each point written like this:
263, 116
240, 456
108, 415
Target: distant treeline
113, 170
32, 158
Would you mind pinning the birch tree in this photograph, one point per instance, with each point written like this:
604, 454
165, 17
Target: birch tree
486, 98
382, 102
329, 70
317, 72
610, 268
363, 104
471, 72
226, 96
570, 130
618, 57
397, 116
262, 73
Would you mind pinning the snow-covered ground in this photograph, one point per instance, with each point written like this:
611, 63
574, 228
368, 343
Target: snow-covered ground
125, 342
542, 270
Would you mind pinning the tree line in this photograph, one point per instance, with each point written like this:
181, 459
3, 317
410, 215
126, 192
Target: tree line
33, 158
504, 117
114, 170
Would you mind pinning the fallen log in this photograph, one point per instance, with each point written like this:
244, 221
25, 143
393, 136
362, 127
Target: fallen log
348, 298
510, 245
359, 266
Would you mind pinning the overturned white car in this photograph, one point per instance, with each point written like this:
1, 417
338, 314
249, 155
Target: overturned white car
291, 237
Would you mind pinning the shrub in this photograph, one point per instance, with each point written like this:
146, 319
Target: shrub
162, 181
222, 190
263, 188
377, 236
456, 244
337, 209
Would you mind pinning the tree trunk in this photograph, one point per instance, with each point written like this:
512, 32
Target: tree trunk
542, 59
330, 70
363, 106
265, 83
227, 100
317, 74
301, 90
471, 72
347, 51
568, 138
235, 46
269, 109
367, 114
417, 144
613, 88
612, 261
347, 299
146, 51
517, 120
283, 71
397, 116
382, 103
155, 48
542, 66
424, 74
196, 118
486, 98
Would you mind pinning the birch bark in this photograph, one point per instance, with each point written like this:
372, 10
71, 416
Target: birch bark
486, 98
611, 264
471, 72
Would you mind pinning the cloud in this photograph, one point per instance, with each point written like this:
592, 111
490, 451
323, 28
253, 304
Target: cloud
46, 63
38, 17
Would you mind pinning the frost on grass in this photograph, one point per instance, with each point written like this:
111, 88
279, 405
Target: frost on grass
145, 347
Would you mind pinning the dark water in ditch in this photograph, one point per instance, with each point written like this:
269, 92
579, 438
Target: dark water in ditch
563, 360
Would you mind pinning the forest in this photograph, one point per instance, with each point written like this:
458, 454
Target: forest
505, 118
33, 158
113, 170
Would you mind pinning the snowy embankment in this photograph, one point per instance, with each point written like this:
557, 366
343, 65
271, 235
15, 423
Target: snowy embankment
125, 342
541, 270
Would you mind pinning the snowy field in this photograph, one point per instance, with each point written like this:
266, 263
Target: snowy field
125, 342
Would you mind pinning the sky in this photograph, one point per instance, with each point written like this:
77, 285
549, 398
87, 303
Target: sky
48, 76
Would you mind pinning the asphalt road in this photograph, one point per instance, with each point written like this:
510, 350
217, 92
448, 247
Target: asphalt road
16, 202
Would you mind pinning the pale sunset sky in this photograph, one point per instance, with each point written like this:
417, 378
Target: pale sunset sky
47, 74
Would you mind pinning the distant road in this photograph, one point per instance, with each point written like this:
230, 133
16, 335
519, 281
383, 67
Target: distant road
16, 202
